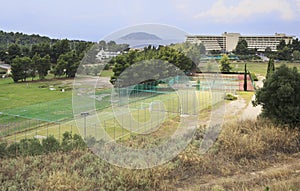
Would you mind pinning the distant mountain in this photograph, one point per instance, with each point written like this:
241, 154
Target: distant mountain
140, 36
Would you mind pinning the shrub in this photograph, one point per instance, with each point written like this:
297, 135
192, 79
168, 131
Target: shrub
50, 144
13, 150
30, 147
67, 142
230, 97
280, 96
3, 150
78, 142
35, 147
253, 76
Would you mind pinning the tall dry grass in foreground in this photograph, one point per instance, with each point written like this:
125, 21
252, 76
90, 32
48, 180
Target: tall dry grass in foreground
247, 156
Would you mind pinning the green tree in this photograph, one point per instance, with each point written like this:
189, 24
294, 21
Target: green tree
67, 64
20, 68
13, 51
192, 51
281, 45
42, 49
163, 54
295, 44
245, 78
242, 47
59, 48
268, 52
280, 96
284, 54
271, 68
296, 55
44, 67
33, 66
225, 64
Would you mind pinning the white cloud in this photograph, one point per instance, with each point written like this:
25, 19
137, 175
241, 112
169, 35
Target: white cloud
297, 2
245, 9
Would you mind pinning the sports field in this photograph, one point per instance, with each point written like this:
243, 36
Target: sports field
146, 112
32, 109
259, 68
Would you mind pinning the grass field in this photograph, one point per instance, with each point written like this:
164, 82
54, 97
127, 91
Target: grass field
259, 68
14, 95
31, 109
138, 119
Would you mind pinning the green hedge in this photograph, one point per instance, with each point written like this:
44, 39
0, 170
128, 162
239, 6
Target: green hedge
32, 147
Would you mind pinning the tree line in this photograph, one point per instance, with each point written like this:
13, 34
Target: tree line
152, 57
63, 58
24, 40
287, 52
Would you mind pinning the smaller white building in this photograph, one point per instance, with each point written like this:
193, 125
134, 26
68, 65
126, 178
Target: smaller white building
103, 55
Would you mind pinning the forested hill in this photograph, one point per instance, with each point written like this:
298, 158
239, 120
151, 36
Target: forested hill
7, 38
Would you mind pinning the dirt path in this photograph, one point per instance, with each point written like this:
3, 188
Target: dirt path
252, 112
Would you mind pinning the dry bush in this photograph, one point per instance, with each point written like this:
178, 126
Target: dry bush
293, 184
251, 140
240, 141
278, 138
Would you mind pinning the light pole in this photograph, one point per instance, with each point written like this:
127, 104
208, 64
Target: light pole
84, 114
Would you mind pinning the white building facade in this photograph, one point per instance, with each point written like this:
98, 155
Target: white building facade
227, 42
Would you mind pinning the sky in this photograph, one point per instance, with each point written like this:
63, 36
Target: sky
93, 20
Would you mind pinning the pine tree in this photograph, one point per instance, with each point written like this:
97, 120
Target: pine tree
245, 78
271, 68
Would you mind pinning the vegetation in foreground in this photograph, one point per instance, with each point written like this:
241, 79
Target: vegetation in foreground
280, 96
247, 156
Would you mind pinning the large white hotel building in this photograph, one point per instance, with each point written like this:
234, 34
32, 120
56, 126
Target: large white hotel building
227, 42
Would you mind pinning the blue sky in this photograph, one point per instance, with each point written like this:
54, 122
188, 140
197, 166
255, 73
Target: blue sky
94, 19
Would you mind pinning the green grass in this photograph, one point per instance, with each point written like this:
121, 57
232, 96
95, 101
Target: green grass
107, 73
247, 96
31, 108
259, 67
46, 129
108, 119
55, 110
15, 95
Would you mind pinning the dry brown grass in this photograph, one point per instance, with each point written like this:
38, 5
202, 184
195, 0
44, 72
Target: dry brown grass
247, 156
257, 140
